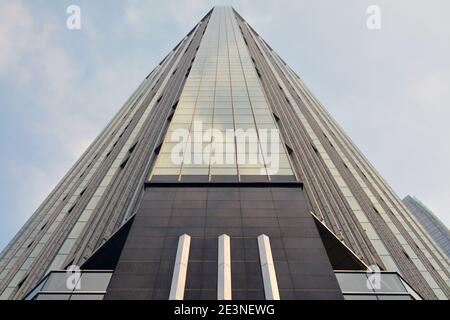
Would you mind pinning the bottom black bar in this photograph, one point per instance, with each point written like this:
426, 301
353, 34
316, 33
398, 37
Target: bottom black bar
224, 310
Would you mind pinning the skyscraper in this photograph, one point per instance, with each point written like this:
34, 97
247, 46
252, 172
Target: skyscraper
435, 228
223, 177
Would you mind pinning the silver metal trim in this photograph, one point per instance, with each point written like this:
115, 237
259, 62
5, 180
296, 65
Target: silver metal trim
268, 268
180, 269
224, 269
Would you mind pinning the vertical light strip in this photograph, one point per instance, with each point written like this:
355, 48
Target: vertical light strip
268, 268
224, 269
180, 269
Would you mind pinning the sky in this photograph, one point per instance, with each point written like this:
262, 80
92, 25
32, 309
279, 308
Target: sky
387, 88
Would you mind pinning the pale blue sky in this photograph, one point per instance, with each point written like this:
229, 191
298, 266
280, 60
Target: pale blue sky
388, 89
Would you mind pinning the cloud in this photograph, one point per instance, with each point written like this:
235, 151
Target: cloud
47, 70
145, 16
32, 52
62, 102
15, 21
132, 15
433, 94
188, 13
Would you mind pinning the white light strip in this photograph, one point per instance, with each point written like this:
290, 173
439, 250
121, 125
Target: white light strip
268, 268
224, 269
180, 269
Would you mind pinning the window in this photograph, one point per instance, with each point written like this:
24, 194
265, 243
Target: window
124, 163
359, 297
390, 283
406, 255
394, 297
289, 149
53, 297
91, 296
94, 281
277, 119
56, 282
71, 209
93, 285
353, 282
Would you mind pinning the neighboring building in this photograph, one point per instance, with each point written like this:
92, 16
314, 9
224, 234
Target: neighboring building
435, 228
145, 218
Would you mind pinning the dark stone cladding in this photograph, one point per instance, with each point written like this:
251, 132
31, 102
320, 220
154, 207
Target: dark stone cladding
206, 210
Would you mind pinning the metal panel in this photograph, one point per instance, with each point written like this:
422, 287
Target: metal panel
224, 269
180, 269
268, 268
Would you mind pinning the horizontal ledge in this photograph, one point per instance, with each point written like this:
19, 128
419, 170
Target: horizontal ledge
217, 184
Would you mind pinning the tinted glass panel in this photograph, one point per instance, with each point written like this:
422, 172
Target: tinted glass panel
223, 93
86, 297
94, 281
394, 297
56, 282
53, 297
353, 282
390, 283
35, 291
360, 297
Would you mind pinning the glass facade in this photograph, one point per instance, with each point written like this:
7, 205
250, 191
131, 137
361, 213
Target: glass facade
367, 286
223, 107
435, 228
62, 285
